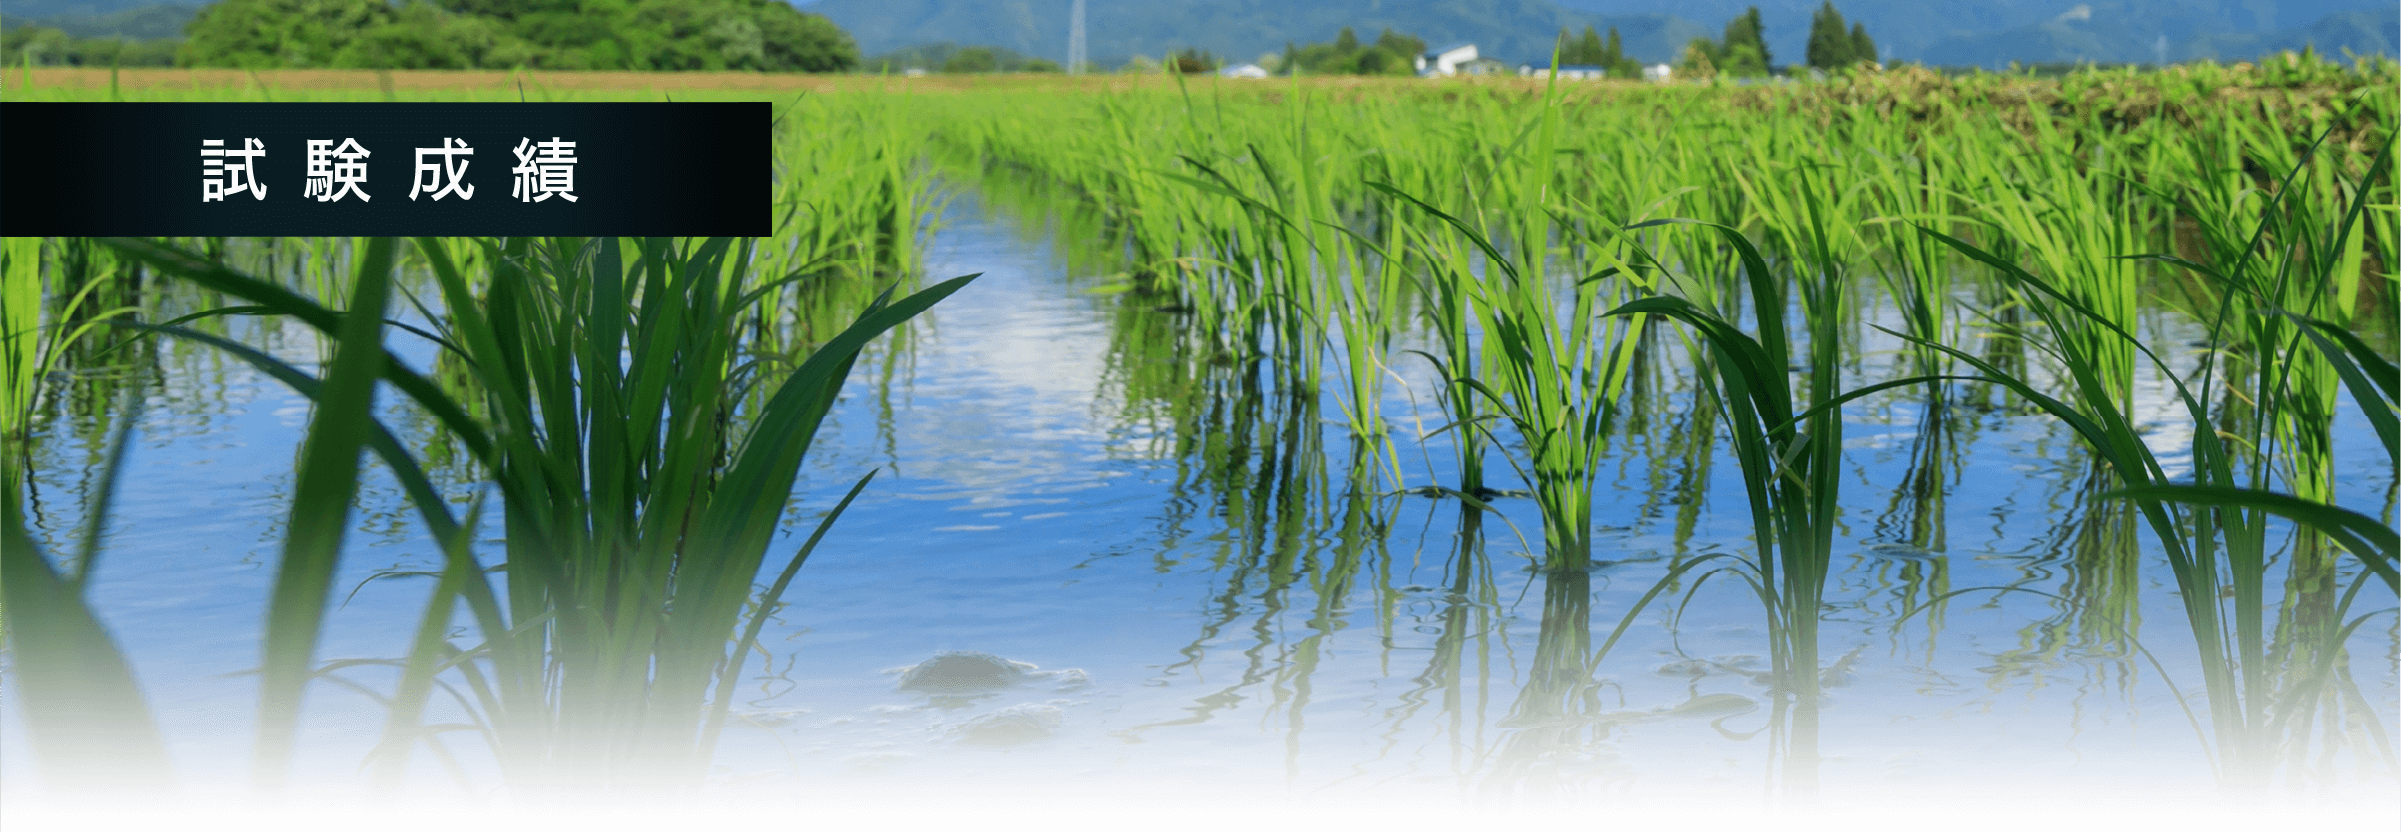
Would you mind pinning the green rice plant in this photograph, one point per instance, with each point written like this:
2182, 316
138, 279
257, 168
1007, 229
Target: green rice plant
1552, 369
630, 489
21, 356
2318, 277
2315, 670
303, 578
2375, 387
1369, 305
1453, 301
1915, 270
92, 292
2099, 418
2273, 302
2288, 291
829, 151
32, 352
1553, 380
630, 495
339, 430
2260, 689
1285, 254
2071, 209
1788, 445
2074, 221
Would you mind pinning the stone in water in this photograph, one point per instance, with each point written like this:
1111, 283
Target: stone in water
1012, 725
963, 672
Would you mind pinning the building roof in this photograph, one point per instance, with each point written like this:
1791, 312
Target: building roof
1435, 53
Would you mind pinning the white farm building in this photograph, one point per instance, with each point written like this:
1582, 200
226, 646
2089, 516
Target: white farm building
1447, 60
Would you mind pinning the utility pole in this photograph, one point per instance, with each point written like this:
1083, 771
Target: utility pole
1076, 56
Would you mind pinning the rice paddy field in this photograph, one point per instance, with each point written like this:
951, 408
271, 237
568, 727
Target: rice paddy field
1890, 452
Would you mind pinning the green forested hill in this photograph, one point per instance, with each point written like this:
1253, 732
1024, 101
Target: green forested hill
765, 35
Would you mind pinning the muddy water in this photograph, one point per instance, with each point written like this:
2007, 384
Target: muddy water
1179, 597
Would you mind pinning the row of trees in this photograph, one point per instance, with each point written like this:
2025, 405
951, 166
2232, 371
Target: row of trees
764, 35
47, 46
1591, 50
1832, 47
1392, 53
953, 58
1742, 52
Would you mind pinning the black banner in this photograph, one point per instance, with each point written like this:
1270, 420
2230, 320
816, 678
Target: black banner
311, 170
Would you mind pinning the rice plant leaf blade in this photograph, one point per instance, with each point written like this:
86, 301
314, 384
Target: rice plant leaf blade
327, 480
768, 460
768, 601
2370, 540
1475, 237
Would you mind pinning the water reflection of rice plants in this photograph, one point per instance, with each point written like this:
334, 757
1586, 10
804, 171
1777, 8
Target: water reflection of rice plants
1256, 459
1460, 663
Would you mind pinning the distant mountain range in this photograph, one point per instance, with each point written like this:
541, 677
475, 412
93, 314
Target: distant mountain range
2102, 32
1992, 33
1988, 33
1240, 30
82, 20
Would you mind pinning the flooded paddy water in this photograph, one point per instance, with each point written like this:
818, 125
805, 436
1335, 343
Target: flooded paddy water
1099, 582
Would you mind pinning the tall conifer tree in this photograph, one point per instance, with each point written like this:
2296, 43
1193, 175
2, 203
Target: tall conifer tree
1829, 46
1745, 46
